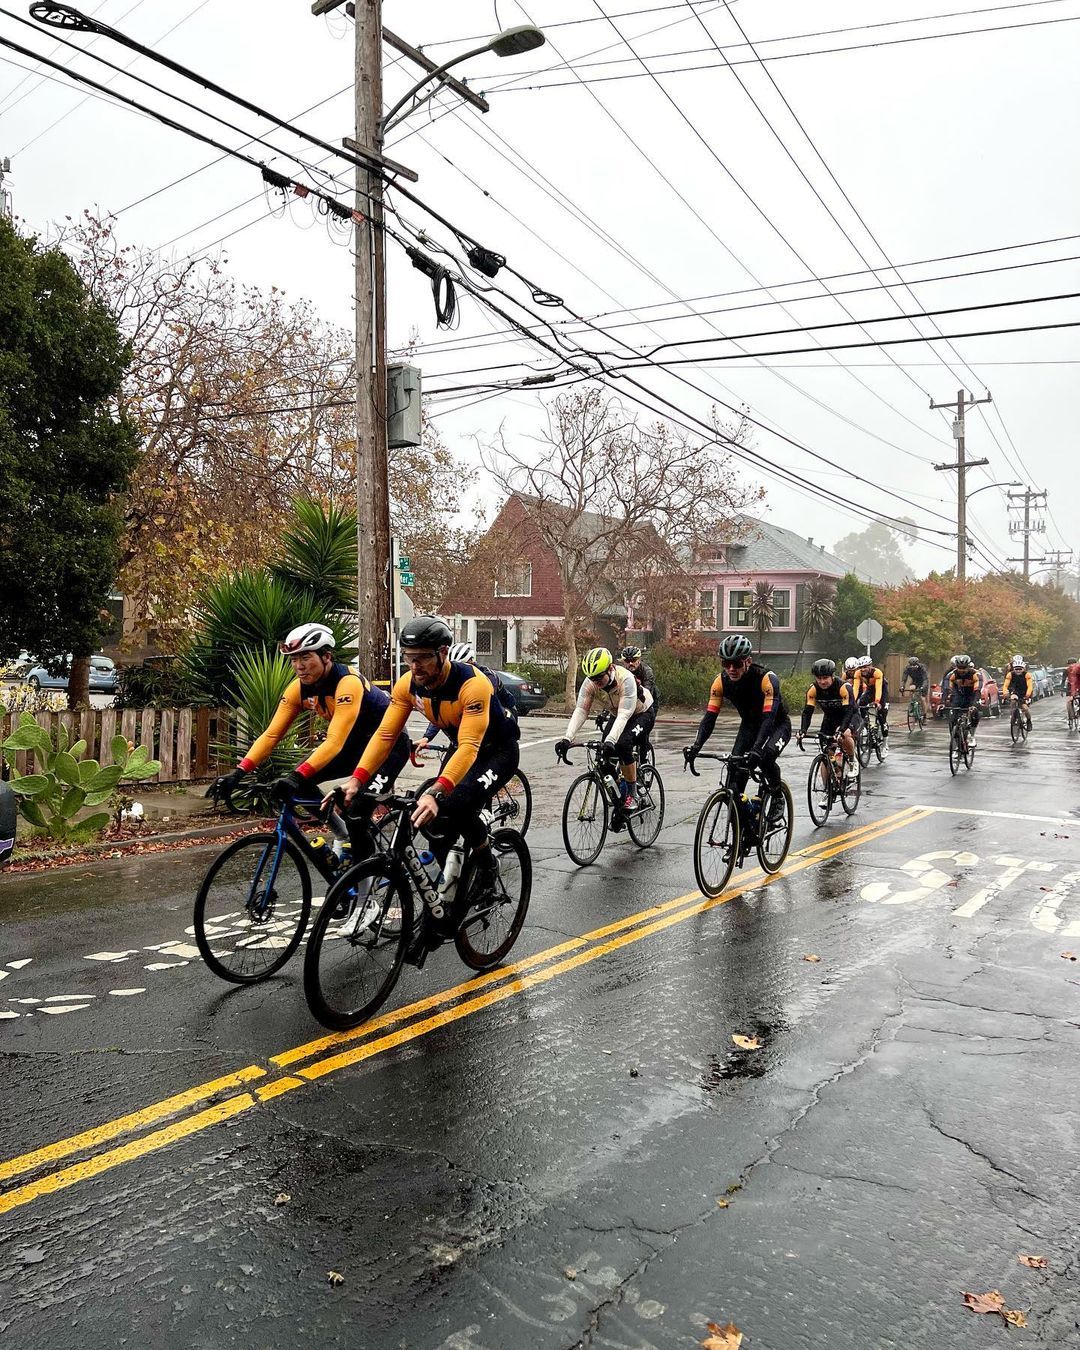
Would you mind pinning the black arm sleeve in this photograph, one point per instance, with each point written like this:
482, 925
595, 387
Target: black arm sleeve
705, 729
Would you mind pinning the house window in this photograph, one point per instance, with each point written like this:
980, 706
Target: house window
707, 610
781, 609
482, 646
739, 608
515, 579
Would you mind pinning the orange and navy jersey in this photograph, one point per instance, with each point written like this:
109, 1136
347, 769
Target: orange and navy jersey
837, 704
1018, 682
343, 698
464, 704
756, 696
965, 685
870, 682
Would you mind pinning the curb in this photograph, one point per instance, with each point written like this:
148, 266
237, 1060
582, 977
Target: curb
107, 850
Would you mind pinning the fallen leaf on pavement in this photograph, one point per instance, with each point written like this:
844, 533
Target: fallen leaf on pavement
991, 1302
722, 1338
570, 1273
747, 1042
1035, 1262
634, 1073
335, 1277
1014, 1317
811, 957
282, 1198
721, 1202
736, 1186
1068, 956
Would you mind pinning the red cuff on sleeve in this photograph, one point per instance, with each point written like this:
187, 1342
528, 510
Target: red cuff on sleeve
305, 771
246, 765
445, 784
361, 775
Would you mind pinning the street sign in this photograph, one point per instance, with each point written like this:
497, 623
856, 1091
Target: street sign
869, 631
407, 579
403, 563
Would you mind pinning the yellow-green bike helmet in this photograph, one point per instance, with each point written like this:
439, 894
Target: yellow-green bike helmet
595, 662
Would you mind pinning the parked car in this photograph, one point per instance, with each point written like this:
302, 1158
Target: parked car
529, 697
990, 697
55, 676
16, 668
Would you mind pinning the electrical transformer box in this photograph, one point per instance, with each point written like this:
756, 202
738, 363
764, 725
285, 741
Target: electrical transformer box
403, 406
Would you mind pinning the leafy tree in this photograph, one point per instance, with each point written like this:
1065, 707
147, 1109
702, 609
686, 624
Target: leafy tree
876, 553
761, 611
989, 618
854, 601
818, 612
66, 456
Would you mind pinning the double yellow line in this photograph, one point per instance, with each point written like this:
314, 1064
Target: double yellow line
234, 1095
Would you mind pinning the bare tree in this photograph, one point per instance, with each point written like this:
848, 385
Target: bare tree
619, 505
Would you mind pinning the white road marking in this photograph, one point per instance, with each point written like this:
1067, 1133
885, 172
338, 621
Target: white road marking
1000, 815
164, 965
176, 948
1015, 869
125, 993
68, 998
74, 1007
9, 1012
4, 974
18, 965
544, 740
1045, 914
111, 956
24, 1000
921, 869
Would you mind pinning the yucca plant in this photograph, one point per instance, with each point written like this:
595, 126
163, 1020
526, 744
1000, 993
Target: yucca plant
63, 782
319, 556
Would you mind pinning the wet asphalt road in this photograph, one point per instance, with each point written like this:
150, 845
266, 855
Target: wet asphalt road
536, 1159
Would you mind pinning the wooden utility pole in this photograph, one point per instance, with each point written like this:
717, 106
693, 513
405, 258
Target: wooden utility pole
1030, 498
961, 466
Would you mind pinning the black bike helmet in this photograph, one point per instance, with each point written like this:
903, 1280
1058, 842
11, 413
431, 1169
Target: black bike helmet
426, 631
963, 662
735, 647
820, 669
631, 653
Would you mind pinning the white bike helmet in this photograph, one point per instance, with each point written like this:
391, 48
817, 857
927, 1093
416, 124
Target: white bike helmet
462, 651
865, 662
1017, 662
850, 665
308, 637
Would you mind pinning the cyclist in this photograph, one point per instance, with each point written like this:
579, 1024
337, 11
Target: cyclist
457, 698
871, 686
626, 701
754, 692
463, 651
348, 702
1070, 679
1019, 685
633, 658
839, 713
916, 673
964, 691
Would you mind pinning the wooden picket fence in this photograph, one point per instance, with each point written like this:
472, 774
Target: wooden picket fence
184, 739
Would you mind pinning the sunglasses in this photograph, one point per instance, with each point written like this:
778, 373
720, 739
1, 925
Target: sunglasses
733, 665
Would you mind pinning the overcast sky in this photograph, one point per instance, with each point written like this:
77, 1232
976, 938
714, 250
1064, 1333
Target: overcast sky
943, 147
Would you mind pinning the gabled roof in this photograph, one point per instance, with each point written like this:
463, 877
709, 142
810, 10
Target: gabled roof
761, 546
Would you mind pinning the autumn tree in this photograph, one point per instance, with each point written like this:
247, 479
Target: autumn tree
939, 616
876, 552
619, 504
66, 454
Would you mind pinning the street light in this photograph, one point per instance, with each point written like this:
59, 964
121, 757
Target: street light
1014, 483
510, 42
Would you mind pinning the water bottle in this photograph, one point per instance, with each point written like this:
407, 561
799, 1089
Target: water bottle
342, 851
322, 852
449, 879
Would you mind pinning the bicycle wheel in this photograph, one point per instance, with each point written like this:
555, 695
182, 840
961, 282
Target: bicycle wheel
511, 805
819, 795
357, 945
493, 918
850, 789
776, 824
644, 825
716, 842
1018, 727
862, 745
252, 908
585, 817
969, 749
881, 746
956, 749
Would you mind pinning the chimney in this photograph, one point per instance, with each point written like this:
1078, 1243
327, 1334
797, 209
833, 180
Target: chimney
810, 541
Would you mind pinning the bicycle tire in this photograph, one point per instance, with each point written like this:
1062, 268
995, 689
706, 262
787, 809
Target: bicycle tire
819, 798
644, 829
503, 843
264, 934
956, 753
850, 791
512, 804
863, 747
969, 751
707, 845
597, 802
769, 861
327, 995
881, 746
1018, 727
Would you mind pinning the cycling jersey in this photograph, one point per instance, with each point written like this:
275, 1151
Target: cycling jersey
917, 673
837, 704
965, 686
1071, 679
464, 702
756, 698
647, 680
870, 682
622, 698
1018, 682
345, 699
501, 693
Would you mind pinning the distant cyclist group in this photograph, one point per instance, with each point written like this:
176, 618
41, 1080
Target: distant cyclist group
369, 904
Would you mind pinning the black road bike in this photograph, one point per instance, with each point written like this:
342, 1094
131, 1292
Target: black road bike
961, 749
511, 806
388, 909
730, 825
871, 739
1018, 723
831, 780
593, 804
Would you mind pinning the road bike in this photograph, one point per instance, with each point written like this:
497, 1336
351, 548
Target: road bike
392, 907
871, 739
961, 749
916, 719
254, 903
1072, 712
730, 825
594, 799
1018, 723
510, 807
832, 778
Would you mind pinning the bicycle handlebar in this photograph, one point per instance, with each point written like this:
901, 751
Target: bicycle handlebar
734, 761
563, 756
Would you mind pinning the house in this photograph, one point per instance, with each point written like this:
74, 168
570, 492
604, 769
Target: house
514, 588
727, 569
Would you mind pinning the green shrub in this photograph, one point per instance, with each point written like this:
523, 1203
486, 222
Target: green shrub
794, 688
160, 682
550, 678
64, 783
683, 677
